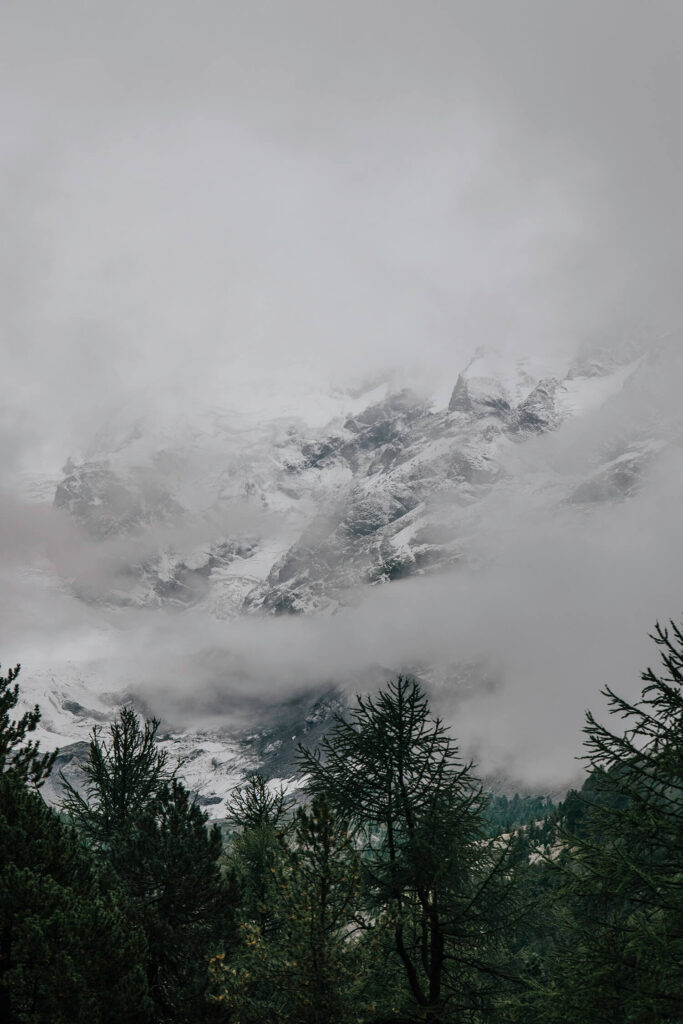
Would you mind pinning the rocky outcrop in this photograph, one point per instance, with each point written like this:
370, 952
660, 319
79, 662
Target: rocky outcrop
375, 497
538, 412
479, 397
106, 505
460, 398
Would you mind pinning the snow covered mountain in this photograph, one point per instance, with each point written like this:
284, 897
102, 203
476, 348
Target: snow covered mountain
287, 520
211, 518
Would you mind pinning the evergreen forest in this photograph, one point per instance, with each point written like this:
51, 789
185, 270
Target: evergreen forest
394, 888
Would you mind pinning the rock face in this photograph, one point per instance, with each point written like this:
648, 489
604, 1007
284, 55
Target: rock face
479, 397
108, 505
67, 764
460, 399
213, 764
377, 495
539, 410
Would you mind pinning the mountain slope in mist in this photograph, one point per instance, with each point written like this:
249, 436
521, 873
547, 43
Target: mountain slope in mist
288, 520
170, 529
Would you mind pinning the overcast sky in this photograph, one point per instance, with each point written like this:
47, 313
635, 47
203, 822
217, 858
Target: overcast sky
192, 190
222, 202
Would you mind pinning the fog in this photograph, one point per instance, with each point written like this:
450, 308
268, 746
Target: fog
244, 206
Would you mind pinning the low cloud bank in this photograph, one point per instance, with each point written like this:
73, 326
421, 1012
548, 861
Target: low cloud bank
515, 650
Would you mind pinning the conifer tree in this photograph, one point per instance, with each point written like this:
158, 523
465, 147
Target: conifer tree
431, 875
144, 826
623, 957
260, 817
123, 778
250, 984
67, 953
17, 754
322, 900
169, 866
299, 961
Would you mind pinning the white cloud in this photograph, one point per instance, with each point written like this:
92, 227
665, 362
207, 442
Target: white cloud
219, 202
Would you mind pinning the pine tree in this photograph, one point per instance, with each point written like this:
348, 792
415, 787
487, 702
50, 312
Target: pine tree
17, 754
623, 958
260, 818
145, 828
431, 875
255, 804
123, 779
299, 961
169, 866
67, 953
250, 985
322, 899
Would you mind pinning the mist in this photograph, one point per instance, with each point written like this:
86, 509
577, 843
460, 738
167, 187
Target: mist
323, 191
243, 208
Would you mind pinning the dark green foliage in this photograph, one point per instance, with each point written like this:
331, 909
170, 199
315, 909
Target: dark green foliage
64, 940
17, 754
68, 955
624, 955
254, 985
123, 779
144, 828
260, 817
168, 867
503, 814
255, 805
399, 892
431, 877
298, 959
321, 899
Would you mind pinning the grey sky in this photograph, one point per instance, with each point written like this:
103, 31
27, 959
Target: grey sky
192, 189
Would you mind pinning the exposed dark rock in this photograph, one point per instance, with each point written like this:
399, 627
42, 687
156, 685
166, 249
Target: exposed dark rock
370, 512
67, 763
316, 454
479, 397
77, 709
206, 801
460, 398
538, 412
106, 505
302, 719
386, 461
